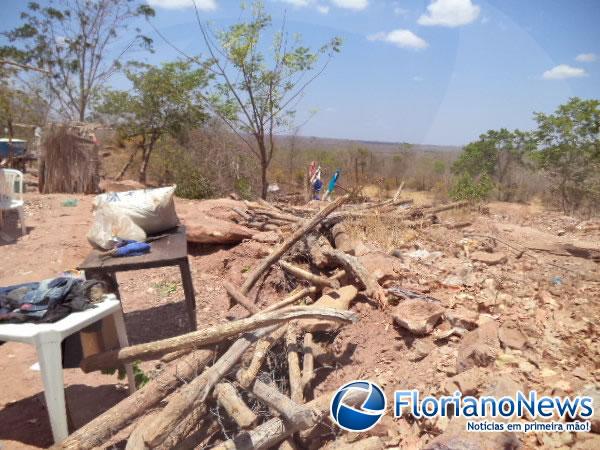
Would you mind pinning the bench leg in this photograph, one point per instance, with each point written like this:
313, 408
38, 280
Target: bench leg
188, 290
124, 342
50, 358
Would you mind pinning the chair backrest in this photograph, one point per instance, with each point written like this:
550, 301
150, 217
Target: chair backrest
11, 184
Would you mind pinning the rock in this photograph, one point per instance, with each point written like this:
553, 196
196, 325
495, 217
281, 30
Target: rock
120, 186
381, 265
467, 382
510, 336
418, 316
593, 392
338, 299
342, 239
462, 318
587, 441
491, 259
502, 387
370, 443
219, 208
478, 347
457, 438
202, 229
420, 349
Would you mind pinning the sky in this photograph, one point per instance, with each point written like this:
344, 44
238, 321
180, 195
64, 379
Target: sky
421, 71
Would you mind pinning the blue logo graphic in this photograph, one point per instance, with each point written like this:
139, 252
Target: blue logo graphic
366, 416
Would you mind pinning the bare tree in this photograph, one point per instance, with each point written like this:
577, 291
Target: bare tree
71, 40
255, 93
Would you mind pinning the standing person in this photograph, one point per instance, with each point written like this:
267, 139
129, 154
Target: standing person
331, 185
316, 184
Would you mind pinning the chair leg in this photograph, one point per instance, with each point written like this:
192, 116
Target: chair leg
22, 220
124, 342
50, 358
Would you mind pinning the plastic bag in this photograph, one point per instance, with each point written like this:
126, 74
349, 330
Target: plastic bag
110, 223
153, 210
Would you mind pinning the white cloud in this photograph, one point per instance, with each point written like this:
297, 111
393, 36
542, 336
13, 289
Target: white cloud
355, 5
204, 5
400, 11
586, 57
323, 9
450, 13
400, 38
563, 71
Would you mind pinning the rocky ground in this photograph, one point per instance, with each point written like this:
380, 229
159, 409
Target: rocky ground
501, 317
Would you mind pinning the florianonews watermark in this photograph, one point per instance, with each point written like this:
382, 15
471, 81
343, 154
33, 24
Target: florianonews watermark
484, 414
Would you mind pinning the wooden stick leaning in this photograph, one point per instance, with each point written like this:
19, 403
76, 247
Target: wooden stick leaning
289, 242
94, 433
208, 336
295, 375
308, 276
228, 397
151, 433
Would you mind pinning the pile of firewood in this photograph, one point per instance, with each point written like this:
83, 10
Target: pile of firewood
223, 367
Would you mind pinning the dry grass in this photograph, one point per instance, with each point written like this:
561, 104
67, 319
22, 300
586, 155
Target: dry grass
384, 232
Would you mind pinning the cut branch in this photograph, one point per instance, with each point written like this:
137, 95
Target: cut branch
208, 336
289, 242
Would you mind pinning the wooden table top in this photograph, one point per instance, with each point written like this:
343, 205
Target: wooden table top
167, 251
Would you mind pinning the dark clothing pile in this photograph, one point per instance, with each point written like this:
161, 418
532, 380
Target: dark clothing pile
45, 302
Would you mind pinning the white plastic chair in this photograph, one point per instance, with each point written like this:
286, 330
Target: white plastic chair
46, 337
11, 194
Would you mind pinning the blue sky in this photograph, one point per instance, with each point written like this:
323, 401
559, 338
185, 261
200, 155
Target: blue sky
420, 71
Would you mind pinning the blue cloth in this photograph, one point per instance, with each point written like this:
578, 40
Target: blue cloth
133, 249
333, 181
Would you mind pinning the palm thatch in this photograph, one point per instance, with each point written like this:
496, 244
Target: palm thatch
69, 162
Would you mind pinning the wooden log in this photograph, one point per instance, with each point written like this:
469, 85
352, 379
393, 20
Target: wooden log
291, 299
341, 239
308, 276
228, 397
208, 336
193, 394
95, 433
247, 376
289, 242
354, 267
398, 192
279, 215
240, 298
289, 409
294, 373
308, 362
277, 429
189, 424
243, 214
447, 207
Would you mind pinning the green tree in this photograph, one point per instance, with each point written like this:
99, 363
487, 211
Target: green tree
497, 154
569, 150
164, 100
71, 40
257, 90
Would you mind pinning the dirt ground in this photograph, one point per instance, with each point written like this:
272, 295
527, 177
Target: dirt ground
554, 299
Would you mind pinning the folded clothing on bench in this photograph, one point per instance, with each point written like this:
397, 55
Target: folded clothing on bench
49, 300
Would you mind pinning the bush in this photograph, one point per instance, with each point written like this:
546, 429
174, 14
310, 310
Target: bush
472, 189
191, 183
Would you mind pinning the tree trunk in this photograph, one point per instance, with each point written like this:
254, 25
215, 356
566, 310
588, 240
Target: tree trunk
127, 164
146, 160
263, 179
